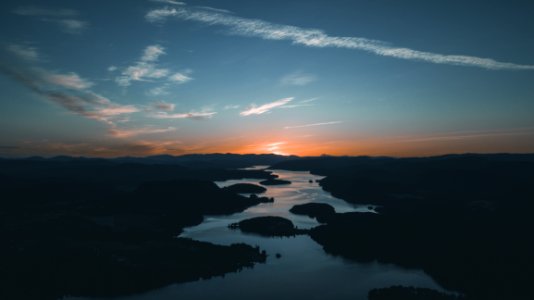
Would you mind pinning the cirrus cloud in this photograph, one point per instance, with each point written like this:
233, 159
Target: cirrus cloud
65, 18
162, 106
179, 78
152, 53
313, 125
70, 92
126, 133
319, 39
298, 79
24, 52
190, 115
145, 69
70, 80
265, 108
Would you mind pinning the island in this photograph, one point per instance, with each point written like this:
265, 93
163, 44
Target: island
275, 182
246, 188
268, 226
320, 211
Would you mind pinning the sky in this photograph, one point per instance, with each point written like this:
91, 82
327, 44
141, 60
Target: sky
303, 77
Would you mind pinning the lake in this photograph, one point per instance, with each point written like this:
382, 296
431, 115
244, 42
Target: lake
304, 270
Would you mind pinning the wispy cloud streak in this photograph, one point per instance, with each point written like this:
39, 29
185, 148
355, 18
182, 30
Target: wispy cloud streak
152, 53
172, 2
309, 100
179, 78
126, 133
44, 12
72, 26
145, 69
162, 106
258, 110
103, 148
318, 38
70, 92
298, 79
466, 135
313, 125
70, 80
65, 18
24, 52
189, 115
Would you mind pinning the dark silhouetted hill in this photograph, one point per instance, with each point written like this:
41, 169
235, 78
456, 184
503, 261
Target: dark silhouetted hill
410, 293
101, 228
209, 161
465, 220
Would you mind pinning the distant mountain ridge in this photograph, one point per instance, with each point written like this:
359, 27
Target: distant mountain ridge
214, 160
321, 164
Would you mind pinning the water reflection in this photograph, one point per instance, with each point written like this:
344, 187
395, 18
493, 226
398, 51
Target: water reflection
300, 191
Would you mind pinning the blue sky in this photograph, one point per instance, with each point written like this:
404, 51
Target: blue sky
106, 78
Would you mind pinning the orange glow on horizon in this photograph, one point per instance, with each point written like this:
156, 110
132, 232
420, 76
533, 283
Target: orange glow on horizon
287, 144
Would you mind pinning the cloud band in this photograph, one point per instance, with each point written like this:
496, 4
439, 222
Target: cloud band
318, 38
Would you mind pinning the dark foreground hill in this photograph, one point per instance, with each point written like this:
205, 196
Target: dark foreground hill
466, 220
101, 228
105, 227
195, 161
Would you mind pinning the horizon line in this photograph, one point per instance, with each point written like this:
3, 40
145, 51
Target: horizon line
45, 157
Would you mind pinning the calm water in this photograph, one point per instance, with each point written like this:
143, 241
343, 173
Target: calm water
304, 270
